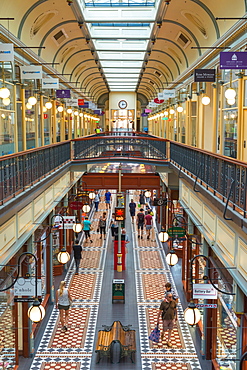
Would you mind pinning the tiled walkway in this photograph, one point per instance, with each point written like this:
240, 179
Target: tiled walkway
92, 308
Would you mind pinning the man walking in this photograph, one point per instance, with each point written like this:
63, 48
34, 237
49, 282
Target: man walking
96, 201
140, 222
107, 199
77, 248
148, 223
132, 207
168, 311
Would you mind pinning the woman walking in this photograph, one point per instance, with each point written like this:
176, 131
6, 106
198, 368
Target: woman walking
102, 225
63, 299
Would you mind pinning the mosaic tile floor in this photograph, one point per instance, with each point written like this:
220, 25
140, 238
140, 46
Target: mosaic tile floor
73, 350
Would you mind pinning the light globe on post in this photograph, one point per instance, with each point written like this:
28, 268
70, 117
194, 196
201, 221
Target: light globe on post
91, 195
60, 108
163, 236
36, 312
63, 256
48, 105
171, 111
231, 101
77, 227
148, 194
230, 93
29, 106
180, 109
6, 101
86, 208
32, 100
172, 258
4, 92
191, 314
205, 100
69, 111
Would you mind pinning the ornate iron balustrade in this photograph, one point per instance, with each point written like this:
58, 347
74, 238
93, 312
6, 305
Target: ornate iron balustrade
226, 177
21, 170
126, 146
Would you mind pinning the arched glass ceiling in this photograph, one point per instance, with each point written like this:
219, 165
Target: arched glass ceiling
120, 37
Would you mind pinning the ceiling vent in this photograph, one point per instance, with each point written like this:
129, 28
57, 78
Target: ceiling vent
152, 83
41, 21
157, 73
60, 36
196, 21
183, 40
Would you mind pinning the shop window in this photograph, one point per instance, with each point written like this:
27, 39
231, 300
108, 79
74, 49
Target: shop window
230, 127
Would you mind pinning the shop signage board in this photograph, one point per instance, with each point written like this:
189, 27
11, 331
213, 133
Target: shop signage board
176, 231
118, 289
76, 205
69, 221
85, 105
204, 291
31, 72
6, 53
147, 110
97, 111
160, 95
204, 75
72, 102
63, 94
80, 102
119, 214
144, 114
26, 287
206, 305
169, 94
158, 101
233, 60
50, 83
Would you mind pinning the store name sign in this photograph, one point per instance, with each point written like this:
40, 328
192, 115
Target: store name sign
233, 60
206, 305
50, 83
31, 72
169, 94
204, 75
26, 287
6, 53
204, 291
63, 94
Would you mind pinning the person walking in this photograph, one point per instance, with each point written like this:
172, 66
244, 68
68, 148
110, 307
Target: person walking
168, 312
142, 198
132, 207
102, 225
96, 201
168, 289
140, 218
87, 228
148, 224
107, 199
114, 226
63, 301
77, 248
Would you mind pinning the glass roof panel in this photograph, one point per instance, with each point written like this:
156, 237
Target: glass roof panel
122, 70
121, 63
120, 75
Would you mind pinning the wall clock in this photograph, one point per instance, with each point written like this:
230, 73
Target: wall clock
122, 104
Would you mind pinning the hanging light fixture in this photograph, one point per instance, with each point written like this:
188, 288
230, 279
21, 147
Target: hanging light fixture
48, 105
77, 227
163, 236
36, 312
76, 113
32, 100
180, 109
91, 195
60, 108
172, 258
205, 100
230, 93
172, 111
4, 92
29, 106
81, 114
192, 315
6, 101
69, 111
63, 256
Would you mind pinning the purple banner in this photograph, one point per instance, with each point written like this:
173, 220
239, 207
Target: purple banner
148, 110
62, 93
144, 114
233, 60
85, 105
97, 111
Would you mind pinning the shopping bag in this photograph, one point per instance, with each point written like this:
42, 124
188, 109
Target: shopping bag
155, 335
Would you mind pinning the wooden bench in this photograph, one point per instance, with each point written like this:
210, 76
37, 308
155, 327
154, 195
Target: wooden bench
112, 334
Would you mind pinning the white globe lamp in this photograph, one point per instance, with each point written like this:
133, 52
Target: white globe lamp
230, 93
86, 208
191, 314
60, 108
63, 256
205, 100
77, 227
231, 101
4, 92
32, 100
91, 195
36, 312
29, 106
163, 236
180, 109
6, 101
172, 111
172, 258
48, 105
69, 110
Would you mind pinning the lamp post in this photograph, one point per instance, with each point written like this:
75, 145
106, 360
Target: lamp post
192, 314
36, 312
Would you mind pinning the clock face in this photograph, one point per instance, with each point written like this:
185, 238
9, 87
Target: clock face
122, 104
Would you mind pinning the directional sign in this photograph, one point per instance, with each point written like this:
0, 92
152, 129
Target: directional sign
119, 214
206, 305
204, 291
176, 231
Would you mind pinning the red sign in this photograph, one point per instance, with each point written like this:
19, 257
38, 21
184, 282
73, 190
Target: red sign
119, 214
80, 101
76, 205
45, 116
158, 101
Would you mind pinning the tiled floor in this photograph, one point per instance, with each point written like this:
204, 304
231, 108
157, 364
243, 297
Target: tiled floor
145, 277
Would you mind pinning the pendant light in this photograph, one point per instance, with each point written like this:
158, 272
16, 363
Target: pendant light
32, 100
230, 93
231, 101
48, 105
6, 101
205, 100
36, 312
4, 91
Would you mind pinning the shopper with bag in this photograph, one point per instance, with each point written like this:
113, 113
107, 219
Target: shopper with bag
63, 302
168, 311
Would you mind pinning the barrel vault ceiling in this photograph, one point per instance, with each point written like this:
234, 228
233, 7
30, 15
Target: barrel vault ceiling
128, 45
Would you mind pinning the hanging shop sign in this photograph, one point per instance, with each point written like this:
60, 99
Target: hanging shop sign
159, 202
161, 95
72, 102
26, 287
85, 105
233, 60
31, 72
6, 53
76, 205
169, 94
204, 75
206, 305
158, 101
80, 102
63, 94
176, 231
119, 214
50, 83
69, 221
152, 104
148, 110
204, 291
97, 111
